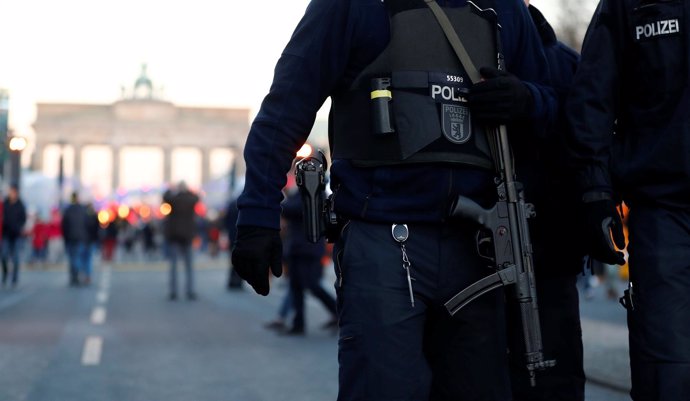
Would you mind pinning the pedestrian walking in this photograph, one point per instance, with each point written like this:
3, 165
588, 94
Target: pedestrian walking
109, 243
234, 280
56, 244
603, 275
76, 238
93, 239
40, 235
148, 234
13, 221
304, 262
397, 167
630, 125
180, 227
286, 307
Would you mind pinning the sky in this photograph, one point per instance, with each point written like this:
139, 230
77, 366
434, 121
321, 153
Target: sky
206, 52
202, 53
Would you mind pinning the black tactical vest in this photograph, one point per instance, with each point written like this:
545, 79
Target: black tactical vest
409, 105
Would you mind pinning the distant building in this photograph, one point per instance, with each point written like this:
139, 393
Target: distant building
140, 141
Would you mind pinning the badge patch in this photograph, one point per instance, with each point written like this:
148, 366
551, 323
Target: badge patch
456, 123
657, 28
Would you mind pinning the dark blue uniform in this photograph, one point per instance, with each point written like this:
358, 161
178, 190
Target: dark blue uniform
389, 349
629, 111
333, 42
542, 168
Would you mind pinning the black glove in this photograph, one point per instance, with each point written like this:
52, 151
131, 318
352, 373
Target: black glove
256, 249
603, 229
500, 98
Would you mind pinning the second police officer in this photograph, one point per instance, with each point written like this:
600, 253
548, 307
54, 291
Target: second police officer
397, 341
630, 114
555, 233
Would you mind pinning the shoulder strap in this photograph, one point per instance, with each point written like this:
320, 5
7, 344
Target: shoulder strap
454, 40
497, 138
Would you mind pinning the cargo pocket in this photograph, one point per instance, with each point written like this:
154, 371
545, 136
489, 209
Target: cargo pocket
352, 359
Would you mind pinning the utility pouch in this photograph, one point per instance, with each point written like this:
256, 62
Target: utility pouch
381, 97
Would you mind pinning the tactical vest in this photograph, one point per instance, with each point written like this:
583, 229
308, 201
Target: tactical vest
410, 105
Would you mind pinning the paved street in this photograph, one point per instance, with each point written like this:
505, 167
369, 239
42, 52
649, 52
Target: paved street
121, 339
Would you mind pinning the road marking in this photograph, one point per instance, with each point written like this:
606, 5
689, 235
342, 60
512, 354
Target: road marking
105, 282
93, 345
102, 297
98, 315
105, 277
92, 351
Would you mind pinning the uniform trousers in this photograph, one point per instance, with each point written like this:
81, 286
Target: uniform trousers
389, 350
659, 317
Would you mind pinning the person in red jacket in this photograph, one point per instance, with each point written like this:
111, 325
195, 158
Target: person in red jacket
39, 240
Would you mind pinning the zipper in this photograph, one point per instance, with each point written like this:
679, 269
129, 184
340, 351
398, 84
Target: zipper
337, 259
339, 269
656, 3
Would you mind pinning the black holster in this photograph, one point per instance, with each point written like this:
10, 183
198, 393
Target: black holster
318, 215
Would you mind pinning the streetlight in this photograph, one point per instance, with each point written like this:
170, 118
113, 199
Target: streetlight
305, 150
4, 110
16, 145
61, 174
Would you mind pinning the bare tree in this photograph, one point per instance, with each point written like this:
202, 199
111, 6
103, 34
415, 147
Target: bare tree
572, 20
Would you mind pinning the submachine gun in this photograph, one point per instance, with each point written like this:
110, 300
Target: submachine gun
505, 226
505, 223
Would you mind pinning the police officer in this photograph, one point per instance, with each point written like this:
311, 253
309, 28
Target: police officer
407, 137
630, 141
555, 235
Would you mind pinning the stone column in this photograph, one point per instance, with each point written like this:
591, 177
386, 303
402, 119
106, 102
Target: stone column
167, 164
116, 149
205, 165
241, 168
77, 165
37, 158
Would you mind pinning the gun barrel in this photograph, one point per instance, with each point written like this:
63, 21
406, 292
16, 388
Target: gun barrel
525, 288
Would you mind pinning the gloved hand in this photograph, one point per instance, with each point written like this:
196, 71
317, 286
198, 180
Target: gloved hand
256, 250
500, 98
604, 228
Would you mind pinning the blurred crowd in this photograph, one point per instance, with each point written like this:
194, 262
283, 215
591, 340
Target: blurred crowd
78, 233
